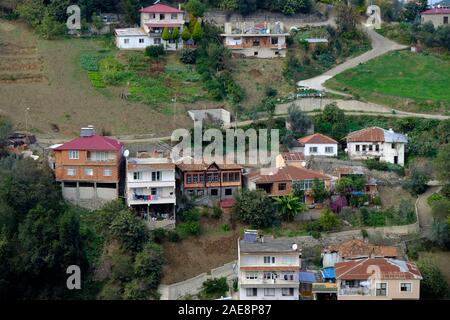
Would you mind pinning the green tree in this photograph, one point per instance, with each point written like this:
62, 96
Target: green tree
198, 33
176, 36
318, 191
347, 18
328, 220
185, 35
215, 288
298, 121
32, 11
129, 231
97, 22
441, 163
165, 36
433, 284
195, 7
289, 206
130, 11
148, 265
417, 182
50, 28
255, 208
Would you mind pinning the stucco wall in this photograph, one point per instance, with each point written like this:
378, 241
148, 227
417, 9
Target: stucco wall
436, 19
320, 149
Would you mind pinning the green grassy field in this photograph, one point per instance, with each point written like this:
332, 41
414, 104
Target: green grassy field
404, 80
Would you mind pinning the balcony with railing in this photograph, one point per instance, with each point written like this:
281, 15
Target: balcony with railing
136, 199
356, 291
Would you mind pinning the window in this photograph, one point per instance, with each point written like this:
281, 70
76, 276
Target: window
357, 147
156, 176
100, 156
305, 184
393, 145
251, 276
213, 177
445, 20
364, 147
157, 41
381, 289
312, 149
405, 287
282, 187
195, 178
329, 149
141, 40
190, 192
251, 292
162, 16
137, 175
71, 172
107, 172
228, 192
126, 41
256, 43
288, 277
153, 191
269, 259
88, 172
377, 147
268, 276
214, 192
173, 16
202, 177
370, 147
274, 40
287, 292
74, 155
269, 292
189, 178
199, 192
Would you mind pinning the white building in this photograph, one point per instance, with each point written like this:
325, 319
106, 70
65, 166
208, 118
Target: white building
150, 189
153, 21
377, 143
268, 268
318, 145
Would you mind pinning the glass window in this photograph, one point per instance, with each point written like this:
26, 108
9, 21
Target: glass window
313, 149
405, 287
74, 155
156, 176
269, 292
381, 289
107, 172
287, 291
377, 147
195, 178
282, 187
126, 41
137, 175
153, 191
88, 172
157, 41
364, 147
214, 192
71, 172
251, 292
173, 16
329, 149
189, 178
251, 276
266, 259
228, 191
274, 40
162, 16
141, 40
357, 147
202, 177
370, 147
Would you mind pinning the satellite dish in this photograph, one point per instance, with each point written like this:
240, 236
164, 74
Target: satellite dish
294, 246
126, 153
346, 150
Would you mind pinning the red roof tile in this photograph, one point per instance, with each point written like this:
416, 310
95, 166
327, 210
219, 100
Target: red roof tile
437, 11
373, 134
160, 8
293, 156
94, 142
389, 269
287, 173
317, 138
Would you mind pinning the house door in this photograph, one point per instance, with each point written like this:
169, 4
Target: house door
396, 159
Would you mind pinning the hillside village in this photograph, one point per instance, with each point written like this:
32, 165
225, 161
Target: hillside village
352, 203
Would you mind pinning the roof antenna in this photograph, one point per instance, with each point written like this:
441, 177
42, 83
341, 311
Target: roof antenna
157, 1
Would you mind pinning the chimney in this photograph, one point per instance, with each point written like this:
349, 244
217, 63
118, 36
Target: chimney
179, 6
227, 28
87, 131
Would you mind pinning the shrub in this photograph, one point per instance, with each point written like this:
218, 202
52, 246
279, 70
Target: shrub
188, 56
255, 208
375, 218
189, 228
225, 227
190, 215
173, 236
328, 220
159, 235
433, 284
154, 51
364, 233
215, 288
416, 183
216, 212
204, 212
434, 197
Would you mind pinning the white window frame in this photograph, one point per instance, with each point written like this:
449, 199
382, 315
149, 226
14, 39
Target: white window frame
283, 290
173, 16
252, 293
329, 149
251, 275
378, 287
141, 40
137, 175
90, 170
269, 292
126, 41
313, 150
107, 172
71, 172
74, 155
410, 287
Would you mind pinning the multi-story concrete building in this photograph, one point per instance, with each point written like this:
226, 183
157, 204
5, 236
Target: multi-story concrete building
89, 168
377, 143
150, 189
209, 183
438, 16
268, 268
377, 279
260, 40
153, 21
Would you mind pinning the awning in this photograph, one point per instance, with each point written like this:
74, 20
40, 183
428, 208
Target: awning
328, 273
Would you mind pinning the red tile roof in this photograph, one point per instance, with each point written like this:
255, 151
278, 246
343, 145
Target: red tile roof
293, 156
160, 8
437, 11
98, 143
287, 173
373, 134
317, 138
389, 269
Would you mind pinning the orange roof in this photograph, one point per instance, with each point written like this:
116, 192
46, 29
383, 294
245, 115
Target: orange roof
287, 173
355, 248
317, 138
390, 269
293, 156
373, 134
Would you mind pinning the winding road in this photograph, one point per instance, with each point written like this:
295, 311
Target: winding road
380, 46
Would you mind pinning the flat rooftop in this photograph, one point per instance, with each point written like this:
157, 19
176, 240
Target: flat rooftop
267, 245
130, 32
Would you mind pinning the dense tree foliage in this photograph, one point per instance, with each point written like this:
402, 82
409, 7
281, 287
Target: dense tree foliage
289, 206
255, 208
433, 284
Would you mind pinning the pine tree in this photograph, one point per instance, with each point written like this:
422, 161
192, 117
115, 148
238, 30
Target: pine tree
198, 33
185, 35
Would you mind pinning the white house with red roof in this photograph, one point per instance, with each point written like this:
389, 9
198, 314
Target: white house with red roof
152, 23
88, 168
318, 145
438, 16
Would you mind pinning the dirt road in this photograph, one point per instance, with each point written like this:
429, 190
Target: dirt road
424, 210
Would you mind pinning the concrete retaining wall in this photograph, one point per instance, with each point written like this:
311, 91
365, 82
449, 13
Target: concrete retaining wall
107, 193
